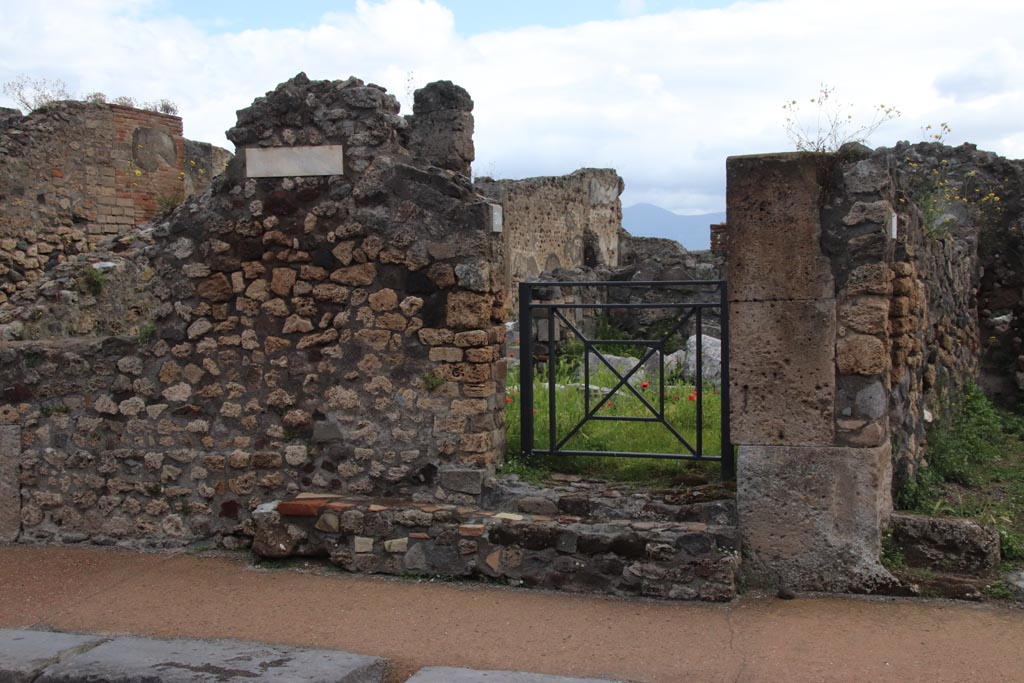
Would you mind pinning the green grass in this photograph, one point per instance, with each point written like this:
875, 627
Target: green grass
614, 436
976, 470
146, 333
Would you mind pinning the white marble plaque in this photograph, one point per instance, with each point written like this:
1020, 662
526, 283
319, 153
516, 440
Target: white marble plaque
497, 218
279, 162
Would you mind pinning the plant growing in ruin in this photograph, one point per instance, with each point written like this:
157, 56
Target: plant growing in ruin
93, 280
831, 125
32, 93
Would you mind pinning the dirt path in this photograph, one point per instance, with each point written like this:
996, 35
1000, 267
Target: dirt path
422, 624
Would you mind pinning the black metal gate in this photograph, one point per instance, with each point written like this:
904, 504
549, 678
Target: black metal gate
551, 317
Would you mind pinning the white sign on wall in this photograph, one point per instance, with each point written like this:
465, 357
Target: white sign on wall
280, 162
497, 218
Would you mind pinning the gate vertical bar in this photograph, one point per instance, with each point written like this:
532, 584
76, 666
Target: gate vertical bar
700, 384
525, 368
551, 379
728, 461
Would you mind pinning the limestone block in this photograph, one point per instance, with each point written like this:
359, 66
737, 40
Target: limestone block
867, 315
467, 310
125, 660
782, 372
24, 655
215, 288
812, 518
10, 498
873, 278
861, 354
774, 229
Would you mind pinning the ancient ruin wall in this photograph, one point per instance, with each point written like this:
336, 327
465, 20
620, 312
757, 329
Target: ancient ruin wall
558, 221
856, 281
909, 336
75, 173
72, 173
812, 507
325, 332
203, 162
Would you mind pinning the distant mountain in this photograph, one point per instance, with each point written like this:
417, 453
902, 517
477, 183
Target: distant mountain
648, 220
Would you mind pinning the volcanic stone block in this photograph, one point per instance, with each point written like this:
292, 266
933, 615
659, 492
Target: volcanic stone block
947, 544
782, 373
774, 229
811, 518
135, 660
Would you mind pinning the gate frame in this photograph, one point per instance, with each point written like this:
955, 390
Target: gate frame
526, 308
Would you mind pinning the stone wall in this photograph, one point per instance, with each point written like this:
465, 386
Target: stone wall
856, 281
907, 306
318, 332
558, 221
203, 162
969, 204
73, 173
812, 508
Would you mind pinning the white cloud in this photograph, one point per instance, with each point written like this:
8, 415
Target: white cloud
632, 8
662, 98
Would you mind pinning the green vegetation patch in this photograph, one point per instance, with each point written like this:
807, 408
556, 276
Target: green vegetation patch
975, 469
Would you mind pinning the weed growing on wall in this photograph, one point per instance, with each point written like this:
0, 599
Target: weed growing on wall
830, 124
948, 195
93, 280
32, 93
146, 333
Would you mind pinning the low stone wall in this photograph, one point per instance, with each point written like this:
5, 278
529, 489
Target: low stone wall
651, 557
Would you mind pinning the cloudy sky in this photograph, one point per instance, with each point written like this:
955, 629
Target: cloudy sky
661, 90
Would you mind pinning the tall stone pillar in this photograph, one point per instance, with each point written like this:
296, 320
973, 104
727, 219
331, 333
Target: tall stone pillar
811, 512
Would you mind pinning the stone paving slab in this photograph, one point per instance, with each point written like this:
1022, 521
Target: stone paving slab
443, 674
24, 654
144, 660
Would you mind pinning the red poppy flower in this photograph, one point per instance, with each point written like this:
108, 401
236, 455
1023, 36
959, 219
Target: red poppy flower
534, 411
643, 384
692, 397
508, 399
